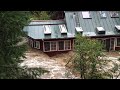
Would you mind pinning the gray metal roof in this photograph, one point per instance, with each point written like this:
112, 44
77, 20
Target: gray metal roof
89, 25
35, 29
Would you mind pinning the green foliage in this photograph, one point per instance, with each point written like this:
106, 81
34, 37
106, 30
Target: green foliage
55, 15
40, 15
13, 72
87, 58
11, 33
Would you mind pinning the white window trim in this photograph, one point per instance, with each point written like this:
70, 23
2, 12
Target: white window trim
70, 44
44, 46
57, 46
50, 46
64, 45
38, 44
31, 42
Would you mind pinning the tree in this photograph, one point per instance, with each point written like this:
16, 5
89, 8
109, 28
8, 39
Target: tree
87, 60
11, 33
55, 15
40, 15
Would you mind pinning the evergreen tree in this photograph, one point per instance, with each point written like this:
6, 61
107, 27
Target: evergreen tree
11, 33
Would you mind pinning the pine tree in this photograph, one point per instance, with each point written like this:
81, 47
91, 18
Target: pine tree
11, 33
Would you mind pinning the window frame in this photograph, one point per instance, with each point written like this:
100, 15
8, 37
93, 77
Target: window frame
64, 45
44, 46
50, 46
67, 46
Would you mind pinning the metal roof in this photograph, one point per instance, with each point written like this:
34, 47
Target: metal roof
36, 29
89, 25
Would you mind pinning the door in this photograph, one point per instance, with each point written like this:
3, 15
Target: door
112, 44
108, 44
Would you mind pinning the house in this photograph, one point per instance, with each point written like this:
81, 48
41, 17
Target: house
59, 35
101, 25
49, 35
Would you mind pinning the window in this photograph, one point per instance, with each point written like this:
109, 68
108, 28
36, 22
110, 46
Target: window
114, 14
50, 46
47, 46
63, 29
53, 46
31, 43
86, 14
37, 44
67, 45
118, 41
61, 45
103, 14
47, 29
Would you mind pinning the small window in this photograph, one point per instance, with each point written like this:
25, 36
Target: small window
118, 41
103, 14
31, 43
61, 45
86, 14
114, 14
37, 44
53, 46
47, 29
67, 45
47, 46
63, 29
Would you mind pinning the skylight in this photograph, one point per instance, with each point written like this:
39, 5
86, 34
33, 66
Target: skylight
86, 14
63, 29
114, 14
47, 29
79, 29
101, 30
103, 14
118, 27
